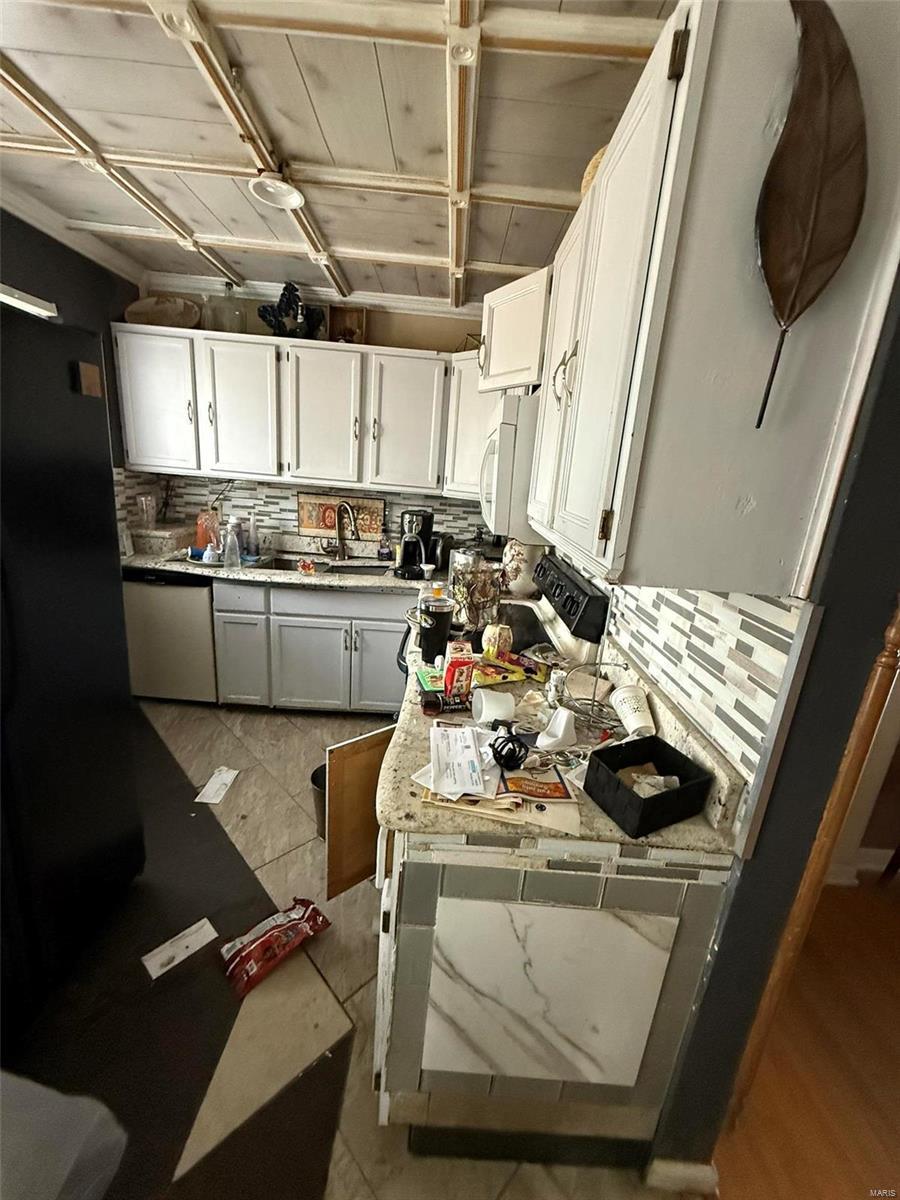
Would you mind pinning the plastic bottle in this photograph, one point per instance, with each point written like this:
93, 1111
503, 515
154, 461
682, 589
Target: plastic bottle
253, 538
232, 558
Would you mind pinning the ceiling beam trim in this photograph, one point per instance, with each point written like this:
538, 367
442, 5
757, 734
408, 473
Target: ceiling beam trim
340, 178
463, 58
181, 21
258, 245
91, 157
161, 281
520, 30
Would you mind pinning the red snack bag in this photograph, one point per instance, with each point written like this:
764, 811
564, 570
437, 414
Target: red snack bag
250, 958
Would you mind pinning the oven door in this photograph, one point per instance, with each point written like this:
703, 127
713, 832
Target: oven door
495, 478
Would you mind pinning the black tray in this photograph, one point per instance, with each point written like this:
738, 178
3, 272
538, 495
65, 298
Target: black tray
634, 814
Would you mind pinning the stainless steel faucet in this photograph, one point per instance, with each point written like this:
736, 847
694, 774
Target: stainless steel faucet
351, 522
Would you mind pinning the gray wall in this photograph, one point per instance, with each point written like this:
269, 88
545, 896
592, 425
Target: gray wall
857, 583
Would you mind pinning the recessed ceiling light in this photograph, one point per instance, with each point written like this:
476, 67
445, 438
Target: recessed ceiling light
272, 189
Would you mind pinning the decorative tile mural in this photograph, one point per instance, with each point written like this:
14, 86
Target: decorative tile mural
720, 656
317, 516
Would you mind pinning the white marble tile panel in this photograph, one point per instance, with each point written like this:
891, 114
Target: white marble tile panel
527, 990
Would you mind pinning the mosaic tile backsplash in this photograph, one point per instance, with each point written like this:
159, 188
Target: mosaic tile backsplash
275, 506
720, 656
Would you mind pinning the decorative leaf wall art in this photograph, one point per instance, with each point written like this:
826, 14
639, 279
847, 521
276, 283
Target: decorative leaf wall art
812, 197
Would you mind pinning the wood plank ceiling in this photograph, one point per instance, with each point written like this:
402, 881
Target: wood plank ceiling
439, 144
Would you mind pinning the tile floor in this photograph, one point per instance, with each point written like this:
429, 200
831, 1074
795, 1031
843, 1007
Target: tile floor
269, 814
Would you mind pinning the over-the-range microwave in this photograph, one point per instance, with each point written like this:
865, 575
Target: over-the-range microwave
506, 467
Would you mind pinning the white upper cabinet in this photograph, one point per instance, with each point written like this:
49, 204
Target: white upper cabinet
159, 411
513, 320
560, 364
240, 416
405, 422
469, 420
620, 217
325, 419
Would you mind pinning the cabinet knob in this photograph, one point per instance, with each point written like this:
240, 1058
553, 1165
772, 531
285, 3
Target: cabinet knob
374, 428
356, 429
190, 412
346, 639
209, 412
356, 641
481, 354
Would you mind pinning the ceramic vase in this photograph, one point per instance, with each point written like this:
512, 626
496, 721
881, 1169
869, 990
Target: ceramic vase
519, 562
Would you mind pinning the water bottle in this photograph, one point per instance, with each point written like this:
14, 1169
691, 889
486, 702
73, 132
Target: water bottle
232, 558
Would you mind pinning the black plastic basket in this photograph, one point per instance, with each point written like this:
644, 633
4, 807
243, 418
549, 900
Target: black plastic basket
635, 815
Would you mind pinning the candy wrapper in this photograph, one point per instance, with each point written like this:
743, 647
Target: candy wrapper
250, 958
532, 668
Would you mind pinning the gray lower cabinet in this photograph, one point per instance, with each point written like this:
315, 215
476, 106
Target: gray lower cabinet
292, 648
376, 684
310, 662
242, 658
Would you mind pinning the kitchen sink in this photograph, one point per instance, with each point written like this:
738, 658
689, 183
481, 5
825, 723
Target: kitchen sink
345, 568
335, 568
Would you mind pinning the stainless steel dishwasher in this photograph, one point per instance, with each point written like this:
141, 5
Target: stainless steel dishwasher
169, 624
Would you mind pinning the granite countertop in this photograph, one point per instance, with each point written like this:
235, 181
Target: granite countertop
331, 579
398, 803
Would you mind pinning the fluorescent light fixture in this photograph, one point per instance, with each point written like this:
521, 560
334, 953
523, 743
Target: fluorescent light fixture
30, 304
270, 188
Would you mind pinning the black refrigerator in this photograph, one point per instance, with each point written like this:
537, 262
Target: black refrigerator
71, 828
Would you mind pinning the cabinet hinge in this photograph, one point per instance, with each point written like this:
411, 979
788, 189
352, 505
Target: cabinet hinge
605, 528
678, 54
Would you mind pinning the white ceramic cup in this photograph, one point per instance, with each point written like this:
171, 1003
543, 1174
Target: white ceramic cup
488, 705
630, 703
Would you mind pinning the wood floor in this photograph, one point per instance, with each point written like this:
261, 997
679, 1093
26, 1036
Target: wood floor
823, 1116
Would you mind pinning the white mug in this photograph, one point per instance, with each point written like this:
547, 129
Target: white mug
488, 706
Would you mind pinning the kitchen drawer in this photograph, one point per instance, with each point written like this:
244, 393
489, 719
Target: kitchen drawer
240, 597
309, 602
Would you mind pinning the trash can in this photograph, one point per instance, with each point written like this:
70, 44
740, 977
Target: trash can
317, 779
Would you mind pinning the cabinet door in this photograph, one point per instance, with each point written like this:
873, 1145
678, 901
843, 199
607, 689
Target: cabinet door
469, 420
376, 682
159, 412
241, 412
325, 395
310, 662
513, 319
351, 824
622, 214
406, 412
242, 658
561, 346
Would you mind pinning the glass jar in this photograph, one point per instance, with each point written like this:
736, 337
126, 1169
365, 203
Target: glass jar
474, 586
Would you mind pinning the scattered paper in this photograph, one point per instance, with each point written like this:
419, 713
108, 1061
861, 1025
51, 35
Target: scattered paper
216, 786
178, 948
455, 761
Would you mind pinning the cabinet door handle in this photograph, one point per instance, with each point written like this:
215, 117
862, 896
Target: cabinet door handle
190, 409
356, 641
374, 428
346, 639
209, 412
554, 384
567, 387
481, 354
356, 429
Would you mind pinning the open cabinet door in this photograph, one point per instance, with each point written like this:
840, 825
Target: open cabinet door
351, 828
513, 321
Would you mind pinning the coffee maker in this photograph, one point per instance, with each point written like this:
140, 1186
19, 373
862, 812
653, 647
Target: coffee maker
416, 526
